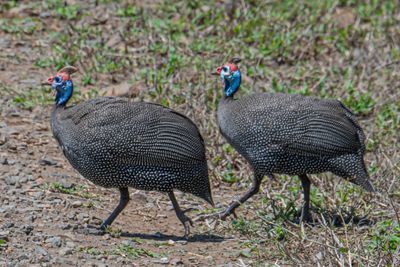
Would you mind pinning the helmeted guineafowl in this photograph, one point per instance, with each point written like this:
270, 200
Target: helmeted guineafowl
290, 134
115, 142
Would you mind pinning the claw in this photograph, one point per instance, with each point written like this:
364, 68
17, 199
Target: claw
186, 221
187, 228
304, 217
234, 214
94, 230
203, 217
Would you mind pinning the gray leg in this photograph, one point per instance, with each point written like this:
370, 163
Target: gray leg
305, 214
123, 201
253, 190
186, 221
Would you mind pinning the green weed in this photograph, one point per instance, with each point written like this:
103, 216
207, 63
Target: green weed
31, 98
77, 190
386, 236
3, 243
90, 250
134, 252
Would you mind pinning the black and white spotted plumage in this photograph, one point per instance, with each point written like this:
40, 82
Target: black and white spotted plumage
114, 142
295, 134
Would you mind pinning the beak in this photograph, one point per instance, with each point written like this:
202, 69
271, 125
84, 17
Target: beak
49, 81
217, 71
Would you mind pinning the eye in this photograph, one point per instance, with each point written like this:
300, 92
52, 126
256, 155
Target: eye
57, 79
225, 69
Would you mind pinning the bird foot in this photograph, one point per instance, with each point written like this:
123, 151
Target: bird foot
226, 214
204, 217
304, 217
186, 221
216, 216
93, 230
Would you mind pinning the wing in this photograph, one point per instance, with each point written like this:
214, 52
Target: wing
324, 130
301, 125
117, 131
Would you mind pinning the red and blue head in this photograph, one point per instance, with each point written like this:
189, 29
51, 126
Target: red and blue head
230, 76
61, 84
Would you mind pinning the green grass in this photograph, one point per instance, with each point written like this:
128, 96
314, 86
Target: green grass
77, 190
386, 237
130, 251
90, 250
31, 98
3, 243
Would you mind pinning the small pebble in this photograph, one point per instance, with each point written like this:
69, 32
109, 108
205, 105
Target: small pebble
76, 204
65, 251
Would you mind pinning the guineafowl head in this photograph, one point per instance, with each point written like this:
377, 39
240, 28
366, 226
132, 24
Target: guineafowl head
61, 84
230, 76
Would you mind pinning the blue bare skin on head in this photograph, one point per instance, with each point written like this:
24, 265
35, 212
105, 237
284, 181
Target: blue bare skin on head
63, 90
231, 82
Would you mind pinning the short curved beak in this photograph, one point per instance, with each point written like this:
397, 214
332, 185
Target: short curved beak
217, 71
49, 81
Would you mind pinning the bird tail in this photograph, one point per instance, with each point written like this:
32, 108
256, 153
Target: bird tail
208, 197
362, 179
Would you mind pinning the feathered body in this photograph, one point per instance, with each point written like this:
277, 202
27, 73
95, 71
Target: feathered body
114, 142
295, 134
290, 134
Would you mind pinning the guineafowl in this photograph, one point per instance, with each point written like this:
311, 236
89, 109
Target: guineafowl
115, 142
290, 134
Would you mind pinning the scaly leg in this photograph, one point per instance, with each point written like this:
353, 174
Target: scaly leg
305, 213
253, 190
123, 201
186, 221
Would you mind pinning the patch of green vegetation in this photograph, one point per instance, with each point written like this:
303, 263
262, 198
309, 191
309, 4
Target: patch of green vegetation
31, 98
129, 251
386, 236
23, 26
128, 11
43, 62
89, 204
388, 123
3, 243
229, 176
245, 227
8, 4
227, 148
114, 232
359, 103
64, 10
77, 190
137, 240
90, 250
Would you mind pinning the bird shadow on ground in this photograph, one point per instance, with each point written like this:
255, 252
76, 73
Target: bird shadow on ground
337, 218
164, 237
95, 230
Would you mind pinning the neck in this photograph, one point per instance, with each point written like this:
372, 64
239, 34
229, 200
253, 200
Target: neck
64, 94
232, 84
226, 98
